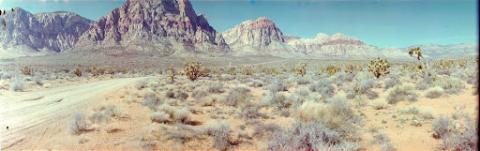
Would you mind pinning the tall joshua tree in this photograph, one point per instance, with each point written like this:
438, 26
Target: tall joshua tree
416, 52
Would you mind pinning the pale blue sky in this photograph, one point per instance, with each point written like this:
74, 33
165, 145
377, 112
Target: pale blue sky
385, 23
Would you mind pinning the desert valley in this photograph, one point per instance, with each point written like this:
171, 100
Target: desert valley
155, 75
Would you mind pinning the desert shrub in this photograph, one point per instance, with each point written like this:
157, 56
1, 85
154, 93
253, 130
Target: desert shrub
26, 70
379, 104
140, 84
308, 136
391, 81
239, 96
192, 70
199, 93
160, 117
251, 112
434, 92
171, 74
277, 100
330, 70
104, 114
183, 115
301, 69
178, 94
450, 85
247, 70
384, 142
265, 130
361, 85
220, 132
216, 88
401, 93
277, 85
256, 83
336, 114
79, 124
462, 138
441, 127
151, 100
303, 81
379, 67
77, 71
17, 84
324, 87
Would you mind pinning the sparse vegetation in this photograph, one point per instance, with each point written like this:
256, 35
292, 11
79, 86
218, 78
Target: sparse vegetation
401, 93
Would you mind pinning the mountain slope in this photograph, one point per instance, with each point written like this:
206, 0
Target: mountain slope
164, 26
46, 32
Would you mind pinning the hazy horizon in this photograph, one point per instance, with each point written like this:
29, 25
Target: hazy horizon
394, 23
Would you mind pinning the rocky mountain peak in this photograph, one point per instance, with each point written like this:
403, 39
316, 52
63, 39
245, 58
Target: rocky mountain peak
162, 25
259, 33
54, 31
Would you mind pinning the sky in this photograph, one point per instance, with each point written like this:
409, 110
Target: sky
384, 23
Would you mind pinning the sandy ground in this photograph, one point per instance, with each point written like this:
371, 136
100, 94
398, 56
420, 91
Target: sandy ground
43, 113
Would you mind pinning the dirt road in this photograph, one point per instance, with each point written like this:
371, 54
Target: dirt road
27, 113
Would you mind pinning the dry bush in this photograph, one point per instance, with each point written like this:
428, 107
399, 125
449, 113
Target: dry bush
450, 85
160, 117
379, 67
301, 69
277, 85
239, 96
104, 114
362, 85
17, 84
171, 74
336, 115
151, 100
79, 124
77, 71
401, 93
331, 70
309, 136
434, 92
461, 137
216, 88
324, 87
270, 71
26, 70
247, 70
192, 70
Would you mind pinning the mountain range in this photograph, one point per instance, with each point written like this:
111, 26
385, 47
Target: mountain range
172, 27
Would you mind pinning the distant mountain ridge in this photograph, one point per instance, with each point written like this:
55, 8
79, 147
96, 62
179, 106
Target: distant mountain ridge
153, 25
55, 31
171, 27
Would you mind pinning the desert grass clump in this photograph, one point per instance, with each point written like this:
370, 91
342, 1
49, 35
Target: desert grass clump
434, 92
151, 100
177, 94
192, 70
309, 136
160, 117
401, 93
239, 96
277, 85
216, 88
337, 114
461, 137
104, 114
183, 115
248, 70
450, 85
324, 87
379, 67
391, 82
362, 85
301, 69
79, 124
441, 127
140, 84
220, 131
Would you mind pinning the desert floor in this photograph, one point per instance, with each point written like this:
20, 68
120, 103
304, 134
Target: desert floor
228, 112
